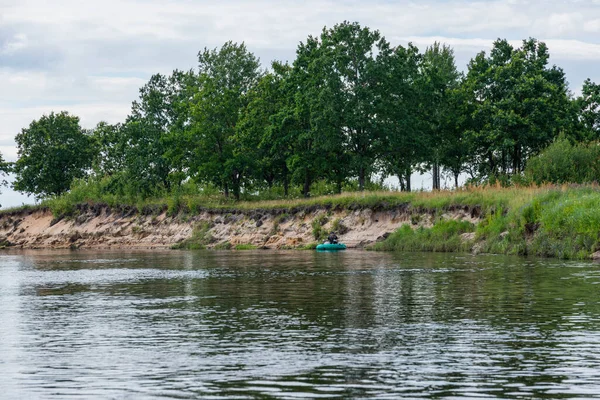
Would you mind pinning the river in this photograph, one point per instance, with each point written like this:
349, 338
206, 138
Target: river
296, 324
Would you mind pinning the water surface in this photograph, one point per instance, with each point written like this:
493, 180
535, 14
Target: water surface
129, 325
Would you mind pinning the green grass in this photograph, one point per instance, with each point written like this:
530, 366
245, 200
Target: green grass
200, 238
192, 202
562, 222
245, 247
444, 236
308, 246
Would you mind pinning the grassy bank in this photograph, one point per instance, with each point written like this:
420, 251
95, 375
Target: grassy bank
562, 222
183, 203
552, 221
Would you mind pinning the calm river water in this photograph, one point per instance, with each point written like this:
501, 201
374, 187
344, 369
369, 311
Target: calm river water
297, 324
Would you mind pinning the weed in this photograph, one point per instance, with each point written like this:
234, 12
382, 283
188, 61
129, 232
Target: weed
223, 246
245, 247
317, 227
339, 227
200, 238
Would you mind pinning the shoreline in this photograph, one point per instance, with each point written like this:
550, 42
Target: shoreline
548, 221
101, 227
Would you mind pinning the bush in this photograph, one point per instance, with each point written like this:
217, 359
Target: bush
563, 162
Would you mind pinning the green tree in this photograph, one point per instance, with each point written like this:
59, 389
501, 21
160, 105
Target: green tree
154, 139
521, 105
260, 134
53, 151
588, 108
456, 148
310, 119
5, 168
109, 158
226, 76
403, 144
349, 92
439, 78
564, 162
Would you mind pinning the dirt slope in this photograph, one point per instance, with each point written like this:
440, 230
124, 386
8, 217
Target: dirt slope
101, 227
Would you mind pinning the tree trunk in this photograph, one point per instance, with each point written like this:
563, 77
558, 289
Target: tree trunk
338, 187
402, 184
236, 189
436, 176
270, 179
361, 178
492, 164
226, 187
408, 174
306, 188
516, 159
286, 185
456, 180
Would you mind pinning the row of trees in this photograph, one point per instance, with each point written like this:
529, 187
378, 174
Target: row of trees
349, 107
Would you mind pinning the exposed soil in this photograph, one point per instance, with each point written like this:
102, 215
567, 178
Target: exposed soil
101, 227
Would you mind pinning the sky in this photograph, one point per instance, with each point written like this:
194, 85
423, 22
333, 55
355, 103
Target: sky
91, 57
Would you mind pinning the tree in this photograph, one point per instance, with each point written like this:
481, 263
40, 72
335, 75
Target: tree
53, 151
260, 135
346, 101
439, 77
5, 168
226, 76
588, 108
399, 106
109, 158
153, 139
456, 149
312, 119
521, 105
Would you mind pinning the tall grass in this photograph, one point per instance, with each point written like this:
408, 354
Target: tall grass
444, 236
548, 221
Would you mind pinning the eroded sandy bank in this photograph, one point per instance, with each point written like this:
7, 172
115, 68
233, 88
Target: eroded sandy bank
101, 227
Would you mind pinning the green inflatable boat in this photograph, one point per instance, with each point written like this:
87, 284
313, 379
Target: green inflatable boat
331, 247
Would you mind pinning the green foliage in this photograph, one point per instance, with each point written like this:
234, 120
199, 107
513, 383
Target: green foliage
444, 236
563, 162
317, 227
245, 247
223, 246
200, 238
53, 151
520, 105
308, 246
5, 168
588, 109
349, 108
338, 226
225, 77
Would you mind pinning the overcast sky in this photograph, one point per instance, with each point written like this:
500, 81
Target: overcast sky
91, 57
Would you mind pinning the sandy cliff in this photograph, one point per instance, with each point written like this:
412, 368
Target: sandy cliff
97, 226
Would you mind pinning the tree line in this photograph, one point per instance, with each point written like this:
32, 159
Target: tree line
349, 107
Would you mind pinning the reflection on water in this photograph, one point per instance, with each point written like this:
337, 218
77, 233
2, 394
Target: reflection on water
296, 324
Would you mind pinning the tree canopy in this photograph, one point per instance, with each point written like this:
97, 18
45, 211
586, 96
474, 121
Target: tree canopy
350, 109
53, 151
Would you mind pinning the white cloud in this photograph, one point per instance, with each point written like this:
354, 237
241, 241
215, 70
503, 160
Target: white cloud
559, 49
592, 26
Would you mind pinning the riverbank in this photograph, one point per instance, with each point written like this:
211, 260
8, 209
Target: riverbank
551, 221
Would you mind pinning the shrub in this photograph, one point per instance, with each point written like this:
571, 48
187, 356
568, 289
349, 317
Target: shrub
563, 162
